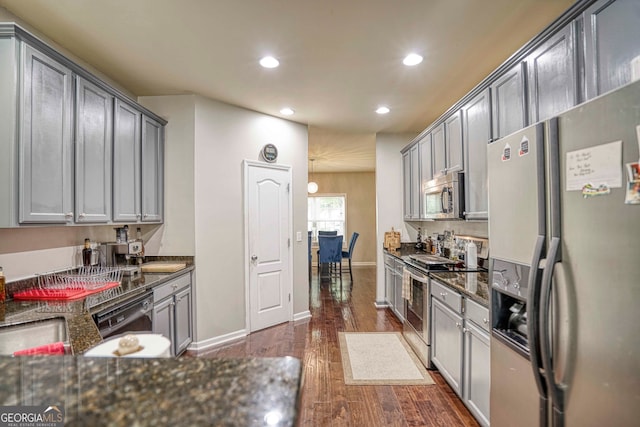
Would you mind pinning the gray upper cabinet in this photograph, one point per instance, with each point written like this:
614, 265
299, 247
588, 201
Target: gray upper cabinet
439, 151
152, 170
476, 116
611, 31
453, 143
552, 76
411, 183
507, 97
46, 139
94, 127
126, 163
426, 166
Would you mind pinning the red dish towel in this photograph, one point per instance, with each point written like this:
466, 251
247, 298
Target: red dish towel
52, 349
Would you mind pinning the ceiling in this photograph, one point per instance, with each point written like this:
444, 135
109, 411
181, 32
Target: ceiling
339, 60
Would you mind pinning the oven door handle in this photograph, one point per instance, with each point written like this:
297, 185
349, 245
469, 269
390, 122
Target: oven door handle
421, 278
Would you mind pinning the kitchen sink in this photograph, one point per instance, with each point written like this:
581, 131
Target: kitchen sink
20, 336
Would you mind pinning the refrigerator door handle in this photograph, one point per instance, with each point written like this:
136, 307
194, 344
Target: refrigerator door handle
556, 391
533, 328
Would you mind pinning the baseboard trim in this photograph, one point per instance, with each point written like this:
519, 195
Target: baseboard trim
304, 315
381, 304
216, 341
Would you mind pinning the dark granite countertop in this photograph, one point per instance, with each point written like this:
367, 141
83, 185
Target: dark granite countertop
474, 285
83, 332
148, 392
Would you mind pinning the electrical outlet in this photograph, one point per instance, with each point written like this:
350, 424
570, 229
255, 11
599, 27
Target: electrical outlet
299, 236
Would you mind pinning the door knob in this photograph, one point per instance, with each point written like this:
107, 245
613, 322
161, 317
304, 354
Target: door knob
254, 258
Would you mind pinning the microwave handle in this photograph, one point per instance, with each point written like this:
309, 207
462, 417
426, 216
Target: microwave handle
447, 191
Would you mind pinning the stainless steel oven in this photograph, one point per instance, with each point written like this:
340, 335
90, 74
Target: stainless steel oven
135, 315
416, 328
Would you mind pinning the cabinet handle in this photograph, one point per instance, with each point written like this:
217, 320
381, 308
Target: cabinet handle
172, 304
138, 215
145, 215
82, 215
458, 325
465, 330
174, 286
69, 214
485, 320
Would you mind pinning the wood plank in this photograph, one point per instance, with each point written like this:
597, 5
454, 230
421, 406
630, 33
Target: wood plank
325, 399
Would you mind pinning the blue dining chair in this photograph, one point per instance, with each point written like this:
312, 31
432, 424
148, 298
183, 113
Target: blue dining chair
324, 233
331, 253
349, 253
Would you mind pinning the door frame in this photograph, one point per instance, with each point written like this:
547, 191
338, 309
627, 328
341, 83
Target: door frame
246, 165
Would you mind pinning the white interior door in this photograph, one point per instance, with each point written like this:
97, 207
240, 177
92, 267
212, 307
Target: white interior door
268, 230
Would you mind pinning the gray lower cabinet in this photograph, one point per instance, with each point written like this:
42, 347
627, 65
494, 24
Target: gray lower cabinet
46, 139
93, 148
477, 361
611, 34
389, 282
172, 312
126, 164
552, 76
398, 306
507, 98
476, 123
460, 347
446, 343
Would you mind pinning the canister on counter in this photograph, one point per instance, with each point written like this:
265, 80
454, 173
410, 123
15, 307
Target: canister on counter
3, 293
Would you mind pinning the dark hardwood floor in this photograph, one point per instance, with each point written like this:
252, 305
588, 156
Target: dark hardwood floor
326, 400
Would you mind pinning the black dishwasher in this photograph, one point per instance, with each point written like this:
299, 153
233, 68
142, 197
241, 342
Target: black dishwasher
135, 315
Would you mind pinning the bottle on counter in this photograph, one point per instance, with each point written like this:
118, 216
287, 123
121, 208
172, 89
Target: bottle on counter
471, 255
3, 293
86, 253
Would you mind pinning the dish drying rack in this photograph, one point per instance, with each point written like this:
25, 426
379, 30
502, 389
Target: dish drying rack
72, 285
86, 278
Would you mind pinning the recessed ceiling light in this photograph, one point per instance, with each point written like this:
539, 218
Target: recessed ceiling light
382, 110
269, 62
287, 111
412, 59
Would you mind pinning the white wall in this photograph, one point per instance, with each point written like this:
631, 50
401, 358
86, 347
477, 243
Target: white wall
388, 196
177, 235
211, 151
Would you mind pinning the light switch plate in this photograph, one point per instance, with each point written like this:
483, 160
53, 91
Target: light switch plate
299, 236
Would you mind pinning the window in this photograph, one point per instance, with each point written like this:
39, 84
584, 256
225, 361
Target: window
327, 212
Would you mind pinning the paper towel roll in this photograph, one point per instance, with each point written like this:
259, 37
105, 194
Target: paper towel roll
471, 255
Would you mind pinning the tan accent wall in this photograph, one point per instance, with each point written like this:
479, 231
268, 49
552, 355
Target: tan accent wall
360, 188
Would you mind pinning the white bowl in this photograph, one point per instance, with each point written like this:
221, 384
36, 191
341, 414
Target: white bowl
154, 345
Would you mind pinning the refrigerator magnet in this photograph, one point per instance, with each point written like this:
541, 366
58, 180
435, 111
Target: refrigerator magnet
632, 196
591, 191
524, 146
633, 171
506, 153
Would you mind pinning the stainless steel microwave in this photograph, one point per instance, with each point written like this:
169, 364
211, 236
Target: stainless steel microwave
444, 197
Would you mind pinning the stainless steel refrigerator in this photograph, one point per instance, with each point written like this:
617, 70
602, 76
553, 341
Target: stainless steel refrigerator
565, 268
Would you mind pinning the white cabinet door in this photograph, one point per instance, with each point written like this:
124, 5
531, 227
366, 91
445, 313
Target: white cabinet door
426, 168
446, 343
389, 285
477, 371
46, 140
406, 184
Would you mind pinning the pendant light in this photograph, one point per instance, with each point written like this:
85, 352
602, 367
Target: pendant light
312, 187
